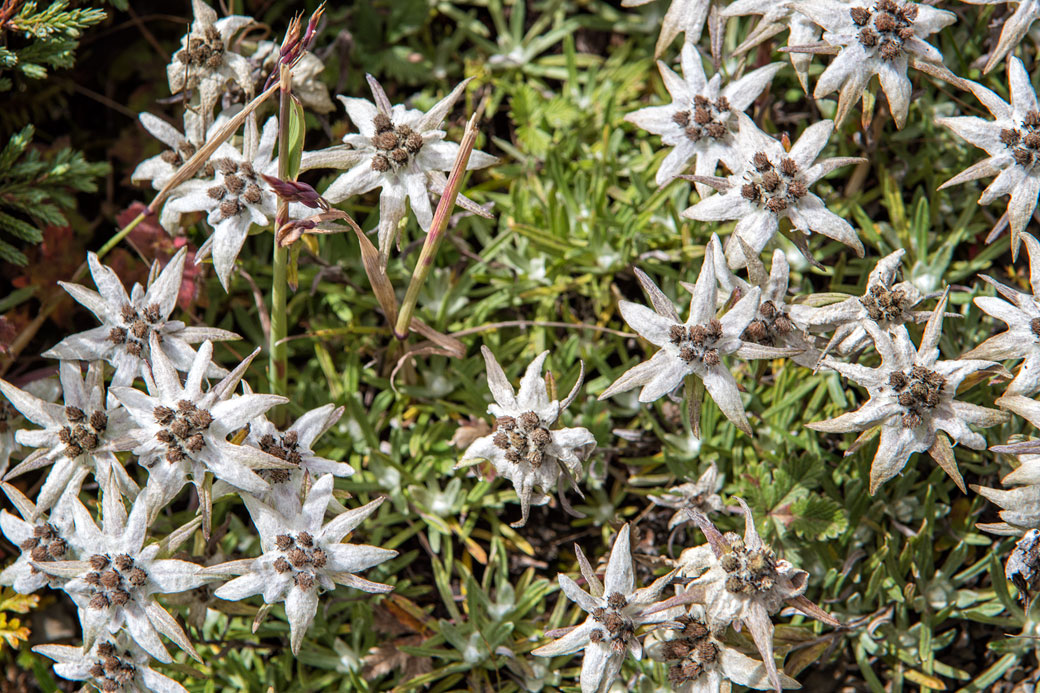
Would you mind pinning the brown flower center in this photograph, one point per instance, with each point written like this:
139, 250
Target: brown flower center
772, 186
182, 429
113, 580
770, 327
137, 327
917, 391
616, 627
694, 651
285, 446
1024, 142
45, 544
395, 145
82, 435
300, 557
524, 439
748, 570
239, 187
885, 29
886, 307
203, 52
112, 673
698, 342
706, 119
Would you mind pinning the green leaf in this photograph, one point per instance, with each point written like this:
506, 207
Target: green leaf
296, 135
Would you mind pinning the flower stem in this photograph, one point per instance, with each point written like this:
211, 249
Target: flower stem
436, 232
278, 351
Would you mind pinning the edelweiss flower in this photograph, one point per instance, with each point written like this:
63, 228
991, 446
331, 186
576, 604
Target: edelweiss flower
160, 169
772, 184
236, 198
694, 347
112, 664
698, 122
886, 303
777, 15
912, 399
78, 438
41, 539
1021, 312
683, 17
182, 430
294, 447
115, 584
1020, 507
303, 556
205, 64
1015, 27
616, 610
1012, 141
399, 149
699, 661
880, 38
743, 582
128, 322
523, 447
701, 495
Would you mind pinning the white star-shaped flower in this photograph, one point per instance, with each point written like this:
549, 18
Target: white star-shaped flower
741, 581
40, 539
128, 321
1021, 313
1019, 506
182, 429
886, 303
683, 17
524, 447
777, 15
205, 64
112, 664
771, 184
400, 150
1012, 140
694, 347
78, 437
912, 400
881, 37
115, 583
699, 495
235, 198
1015, 27
699, 123
616, 610
302, 557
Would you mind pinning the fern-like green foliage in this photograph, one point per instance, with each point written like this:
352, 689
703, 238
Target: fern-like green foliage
36, 39
36, 190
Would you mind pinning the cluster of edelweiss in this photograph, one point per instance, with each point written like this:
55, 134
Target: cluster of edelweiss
208, 428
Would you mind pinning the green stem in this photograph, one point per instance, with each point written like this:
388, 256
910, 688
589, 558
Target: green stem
436, 232
278, 351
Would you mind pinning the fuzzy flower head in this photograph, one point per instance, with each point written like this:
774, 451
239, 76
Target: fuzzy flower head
1021, 312
115, 582
235, 198
78, 437
741, 581
400, 150
701, 495
911, 399
887, 303
879, 37
294, 446
205, 63
777, 15
699, 123
160, 169
771, 184
40, 538
616, 610
129, 321
700, 661
114, 663
525, 447
694, 347
302, 557
182, 429
1012, 140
